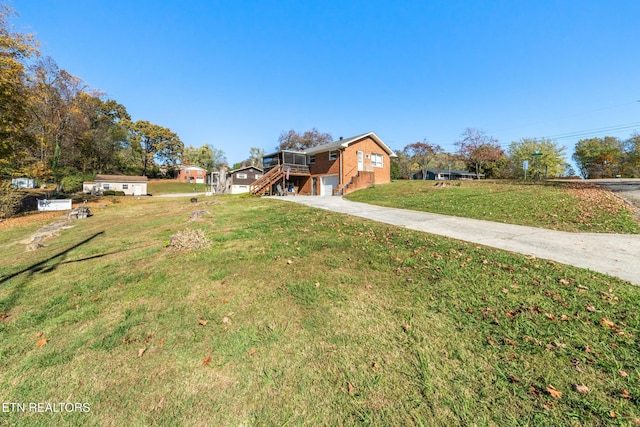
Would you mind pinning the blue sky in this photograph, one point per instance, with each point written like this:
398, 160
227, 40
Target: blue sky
236, 74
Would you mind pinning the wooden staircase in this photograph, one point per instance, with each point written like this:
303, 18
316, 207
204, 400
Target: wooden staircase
264, 183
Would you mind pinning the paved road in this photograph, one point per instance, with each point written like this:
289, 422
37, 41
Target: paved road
614, 254
627, 188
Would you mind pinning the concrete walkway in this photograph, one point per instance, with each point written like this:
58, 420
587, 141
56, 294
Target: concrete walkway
614, 254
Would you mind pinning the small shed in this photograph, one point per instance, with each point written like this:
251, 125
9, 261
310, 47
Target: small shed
130, 185
23, 183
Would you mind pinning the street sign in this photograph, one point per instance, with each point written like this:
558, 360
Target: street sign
525, 165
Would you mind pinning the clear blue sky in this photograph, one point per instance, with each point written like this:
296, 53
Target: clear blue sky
235, 74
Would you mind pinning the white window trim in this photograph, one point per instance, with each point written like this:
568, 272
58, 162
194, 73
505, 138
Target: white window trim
241, 175
333, 154
374, 160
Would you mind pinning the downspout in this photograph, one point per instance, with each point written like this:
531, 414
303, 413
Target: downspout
341, 156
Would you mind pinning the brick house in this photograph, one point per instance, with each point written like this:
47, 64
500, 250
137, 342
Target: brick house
336, 168
192, 174
242, 178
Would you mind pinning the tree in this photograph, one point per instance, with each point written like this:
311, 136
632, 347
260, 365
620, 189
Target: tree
599, 157
295, 141
15, 48
422, 153
480, 152
403, 162
550, 162
631, 166
255, 157
206, 157
56, 120
153, 142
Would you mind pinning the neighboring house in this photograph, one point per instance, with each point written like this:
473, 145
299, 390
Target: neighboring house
131, 185
193, 174
336, 168
445, 174
243, 177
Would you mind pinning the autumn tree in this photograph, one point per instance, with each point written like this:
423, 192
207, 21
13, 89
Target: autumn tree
422, 153
599, 157
296, 141
481, 152
151, 142
15, 49
549, 159
56, 120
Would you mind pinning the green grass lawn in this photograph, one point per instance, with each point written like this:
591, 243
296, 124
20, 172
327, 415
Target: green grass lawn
558, 206
298, 316
168, 186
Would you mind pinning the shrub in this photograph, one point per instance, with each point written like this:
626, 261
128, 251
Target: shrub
10, 199
72, 183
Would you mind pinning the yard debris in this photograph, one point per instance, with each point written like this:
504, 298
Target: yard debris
80, 212
190, 240
141, 351
197, 214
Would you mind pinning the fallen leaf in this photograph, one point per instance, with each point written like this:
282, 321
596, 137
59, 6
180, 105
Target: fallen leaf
608, 323
564, 318
202, 321
612, 414
206, 360
95, 298
588, 349
252, 352
350, 387
42, 342
225, 319
581, 388
563, 282
554, 392
161, 341
510, 342
590, 308
625, 394
374, 365
623, 374
550, 316
141, 351
38, 335
490, 341
224, 301
513, 379
4, 316
289, 262
505, 290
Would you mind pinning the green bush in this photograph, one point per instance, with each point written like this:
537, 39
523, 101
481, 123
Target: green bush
113, 193
71, 183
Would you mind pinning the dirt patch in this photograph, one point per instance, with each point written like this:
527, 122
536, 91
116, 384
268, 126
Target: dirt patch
52, 230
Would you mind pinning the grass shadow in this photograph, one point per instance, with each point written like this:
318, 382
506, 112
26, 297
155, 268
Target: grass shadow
40, 266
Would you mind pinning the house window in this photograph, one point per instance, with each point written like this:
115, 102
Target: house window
125, 186
241, 176
312, 159
258, 175
105, 186
186, 171
333, 155
376, 160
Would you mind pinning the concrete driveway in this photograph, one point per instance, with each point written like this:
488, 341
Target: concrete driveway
614, 254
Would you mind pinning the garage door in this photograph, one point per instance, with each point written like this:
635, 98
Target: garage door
328, 184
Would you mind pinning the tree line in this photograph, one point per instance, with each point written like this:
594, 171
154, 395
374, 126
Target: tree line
53, 127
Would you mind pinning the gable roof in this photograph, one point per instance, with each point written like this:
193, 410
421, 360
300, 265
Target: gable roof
244, 168
121, 178
345, 142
